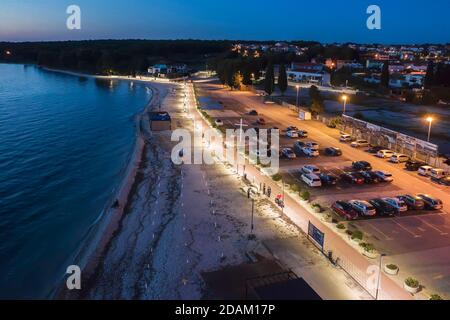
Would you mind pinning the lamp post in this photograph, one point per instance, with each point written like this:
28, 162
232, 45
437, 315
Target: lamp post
430, 120
344, 98
296, 104
379, 276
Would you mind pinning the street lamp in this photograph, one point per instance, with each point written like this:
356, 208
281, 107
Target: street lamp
344, 98
430, 120
379, 276
296, 104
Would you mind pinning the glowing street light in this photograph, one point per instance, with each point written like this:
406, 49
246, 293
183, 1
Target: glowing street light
430, 120
344, 98
298, 89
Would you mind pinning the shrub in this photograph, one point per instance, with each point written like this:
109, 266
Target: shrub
295, 187
349, 232
340, 226
411, 282
305, 195
358, 235
368, 247
276, 177
435, 297
318, 206
392, 266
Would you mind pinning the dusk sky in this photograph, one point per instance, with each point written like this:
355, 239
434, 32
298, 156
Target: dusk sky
403, 21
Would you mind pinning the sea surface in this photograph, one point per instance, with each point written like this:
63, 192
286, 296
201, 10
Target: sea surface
65, 142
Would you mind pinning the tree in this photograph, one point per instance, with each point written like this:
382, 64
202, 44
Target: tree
237, 81
282, 79
385, 75
429, 77
317, 105
269, 81
246, 76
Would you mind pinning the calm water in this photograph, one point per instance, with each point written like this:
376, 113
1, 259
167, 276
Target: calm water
64, 146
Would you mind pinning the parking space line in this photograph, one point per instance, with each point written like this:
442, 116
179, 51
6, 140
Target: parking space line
381, 232
404, 228
432, 226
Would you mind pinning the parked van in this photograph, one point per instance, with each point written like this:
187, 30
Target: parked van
312, 180
398, 158
438, 173
425, 170
345, 138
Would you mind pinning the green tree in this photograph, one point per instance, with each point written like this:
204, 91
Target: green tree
282, 79
246, 75
317, 105
385, 75
269, 81
429, 77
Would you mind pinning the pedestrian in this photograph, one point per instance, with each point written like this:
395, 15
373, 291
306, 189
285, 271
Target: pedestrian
269, 191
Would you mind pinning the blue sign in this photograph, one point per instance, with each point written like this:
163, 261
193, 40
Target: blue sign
315, 234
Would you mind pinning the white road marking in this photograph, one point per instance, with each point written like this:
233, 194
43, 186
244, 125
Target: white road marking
379, 231
432, 226
404, 228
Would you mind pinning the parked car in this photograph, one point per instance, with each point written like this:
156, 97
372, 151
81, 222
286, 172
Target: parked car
302, 133
345, 209
311, 180
252, 113
288, 153
413, 202
352, 177
414, 165
312, 145
310, 168
382, 207
425, 170
399, 205
374, 149
359, 143
345, 138
290, 128
311, 152
261, 121
399, 158
361, 165
438, 173
292, 134
328, 179
218, 122
364, 208
370, 177
333, 152
384, 176
385, 153
445, 181
431, 202
298, 146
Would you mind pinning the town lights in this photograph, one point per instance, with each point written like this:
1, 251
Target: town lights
430, 120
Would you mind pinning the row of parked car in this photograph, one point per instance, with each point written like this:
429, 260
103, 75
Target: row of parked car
313, 177
387, 206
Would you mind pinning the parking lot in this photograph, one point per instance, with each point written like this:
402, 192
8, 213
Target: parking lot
413, 238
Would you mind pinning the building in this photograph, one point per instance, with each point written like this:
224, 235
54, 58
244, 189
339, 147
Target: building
162, 70
160, 121
309, 73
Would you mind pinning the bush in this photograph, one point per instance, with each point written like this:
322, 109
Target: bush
276, 177
435, 297
392, 266
340, 226
295, 187
368, 247
305, 195
318, 206
358, 235
411, 282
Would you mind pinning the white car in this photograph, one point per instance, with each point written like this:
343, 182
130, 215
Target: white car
288, 153
399, 205
312, 145
425, 170
364, 208
385, 153
218, 122
345, 138
311, 180
359, 143
311, 152
309, 168
292, 134
398, 158
384, 176
438, 173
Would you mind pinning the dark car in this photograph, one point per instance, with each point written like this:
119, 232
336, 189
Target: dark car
302, 133
370, 177
375, 149
414, 165
430, 202
361, 165
253, 113
413, 202
352, 177
333, 152
382, 207
327, 179
345, 209
445, 181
